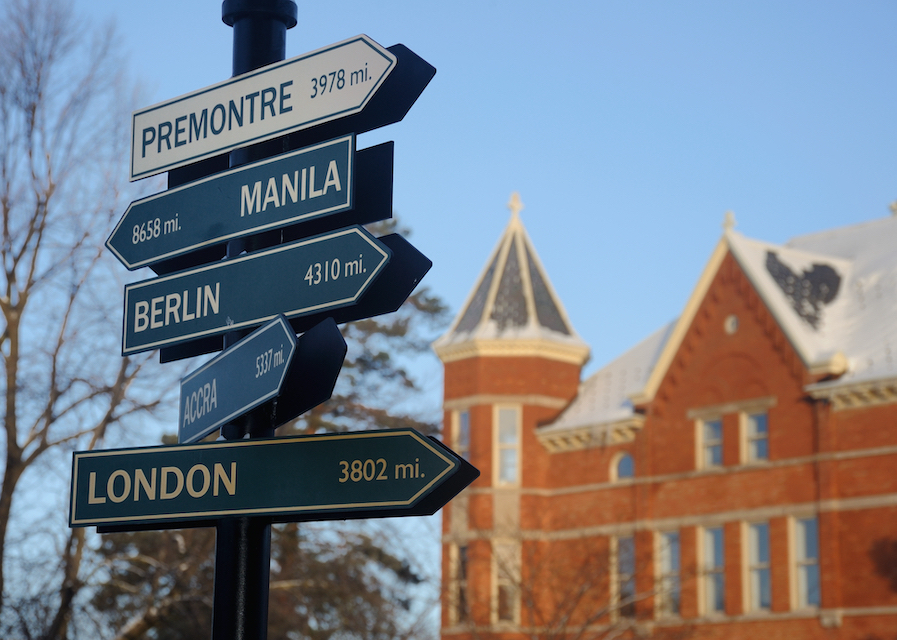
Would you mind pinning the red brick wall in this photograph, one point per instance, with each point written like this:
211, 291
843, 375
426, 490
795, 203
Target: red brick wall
511, 376
868, 544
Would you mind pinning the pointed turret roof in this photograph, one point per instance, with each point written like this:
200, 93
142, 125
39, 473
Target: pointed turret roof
513, 309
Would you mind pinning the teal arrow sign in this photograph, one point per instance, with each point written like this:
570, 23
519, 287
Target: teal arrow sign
296, 279
305, 184
349, 475
237, 380
270, 362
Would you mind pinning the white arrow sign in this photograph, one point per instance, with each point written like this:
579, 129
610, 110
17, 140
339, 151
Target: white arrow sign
287, 96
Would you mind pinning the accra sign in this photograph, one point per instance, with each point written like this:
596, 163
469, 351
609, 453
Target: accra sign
238, 379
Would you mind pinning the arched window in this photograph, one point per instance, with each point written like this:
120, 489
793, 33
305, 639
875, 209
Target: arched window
624, 467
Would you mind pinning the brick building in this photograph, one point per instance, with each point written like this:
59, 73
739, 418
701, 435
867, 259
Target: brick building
732, 476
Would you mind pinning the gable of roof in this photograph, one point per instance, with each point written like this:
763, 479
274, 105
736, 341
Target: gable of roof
679, 328
834, 295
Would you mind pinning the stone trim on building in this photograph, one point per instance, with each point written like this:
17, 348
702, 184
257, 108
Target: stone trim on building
598, 435
857, 395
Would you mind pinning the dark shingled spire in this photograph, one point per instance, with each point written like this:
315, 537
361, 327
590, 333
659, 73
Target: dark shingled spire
513, 299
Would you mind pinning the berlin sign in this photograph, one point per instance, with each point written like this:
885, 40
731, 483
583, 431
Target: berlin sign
348, 475
298, 186
308, 90
406, 268
300, 278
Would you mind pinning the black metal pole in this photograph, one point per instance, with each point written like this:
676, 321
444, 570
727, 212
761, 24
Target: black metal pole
243, 545
260, 31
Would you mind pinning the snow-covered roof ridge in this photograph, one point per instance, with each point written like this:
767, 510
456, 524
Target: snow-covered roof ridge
863, 325
803, 289
833, 293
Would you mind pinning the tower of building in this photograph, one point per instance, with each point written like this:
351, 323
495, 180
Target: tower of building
512, 362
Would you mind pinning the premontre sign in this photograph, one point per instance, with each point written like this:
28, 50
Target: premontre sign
310, 89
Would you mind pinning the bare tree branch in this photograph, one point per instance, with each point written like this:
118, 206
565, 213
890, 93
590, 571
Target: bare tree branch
61, 164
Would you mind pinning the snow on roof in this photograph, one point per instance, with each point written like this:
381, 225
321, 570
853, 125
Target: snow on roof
804, 290
833, 293
863, 324
604, 397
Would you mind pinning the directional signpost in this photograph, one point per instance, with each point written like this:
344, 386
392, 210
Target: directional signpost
295, 94
264, 171
350, 475
308, 276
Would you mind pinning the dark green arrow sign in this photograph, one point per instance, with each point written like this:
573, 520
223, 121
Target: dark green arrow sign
296, 279
269, 362
280, 191
349, 475
237, 380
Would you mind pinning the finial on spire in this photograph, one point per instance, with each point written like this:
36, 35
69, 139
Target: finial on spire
515, 205
729, 221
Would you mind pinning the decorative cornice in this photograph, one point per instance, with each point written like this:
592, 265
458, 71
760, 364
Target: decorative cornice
742, 406
869, 393
832, 456
591, 436
572, 353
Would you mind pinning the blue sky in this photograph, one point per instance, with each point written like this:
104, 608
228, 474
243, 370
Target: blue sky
628, 128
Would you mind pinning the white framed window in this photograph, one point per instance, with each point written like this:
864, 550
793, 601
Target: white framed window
506, 581
461, 441
460, 603
806, 560
756, 437
710, 436
668, 586
622, 467
507, 446
713, 571
625, 467
623, 563
759, 582
752, 435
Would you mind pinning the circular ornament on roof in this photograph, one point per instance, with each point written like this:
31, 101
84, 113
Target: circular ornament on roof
730, 324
